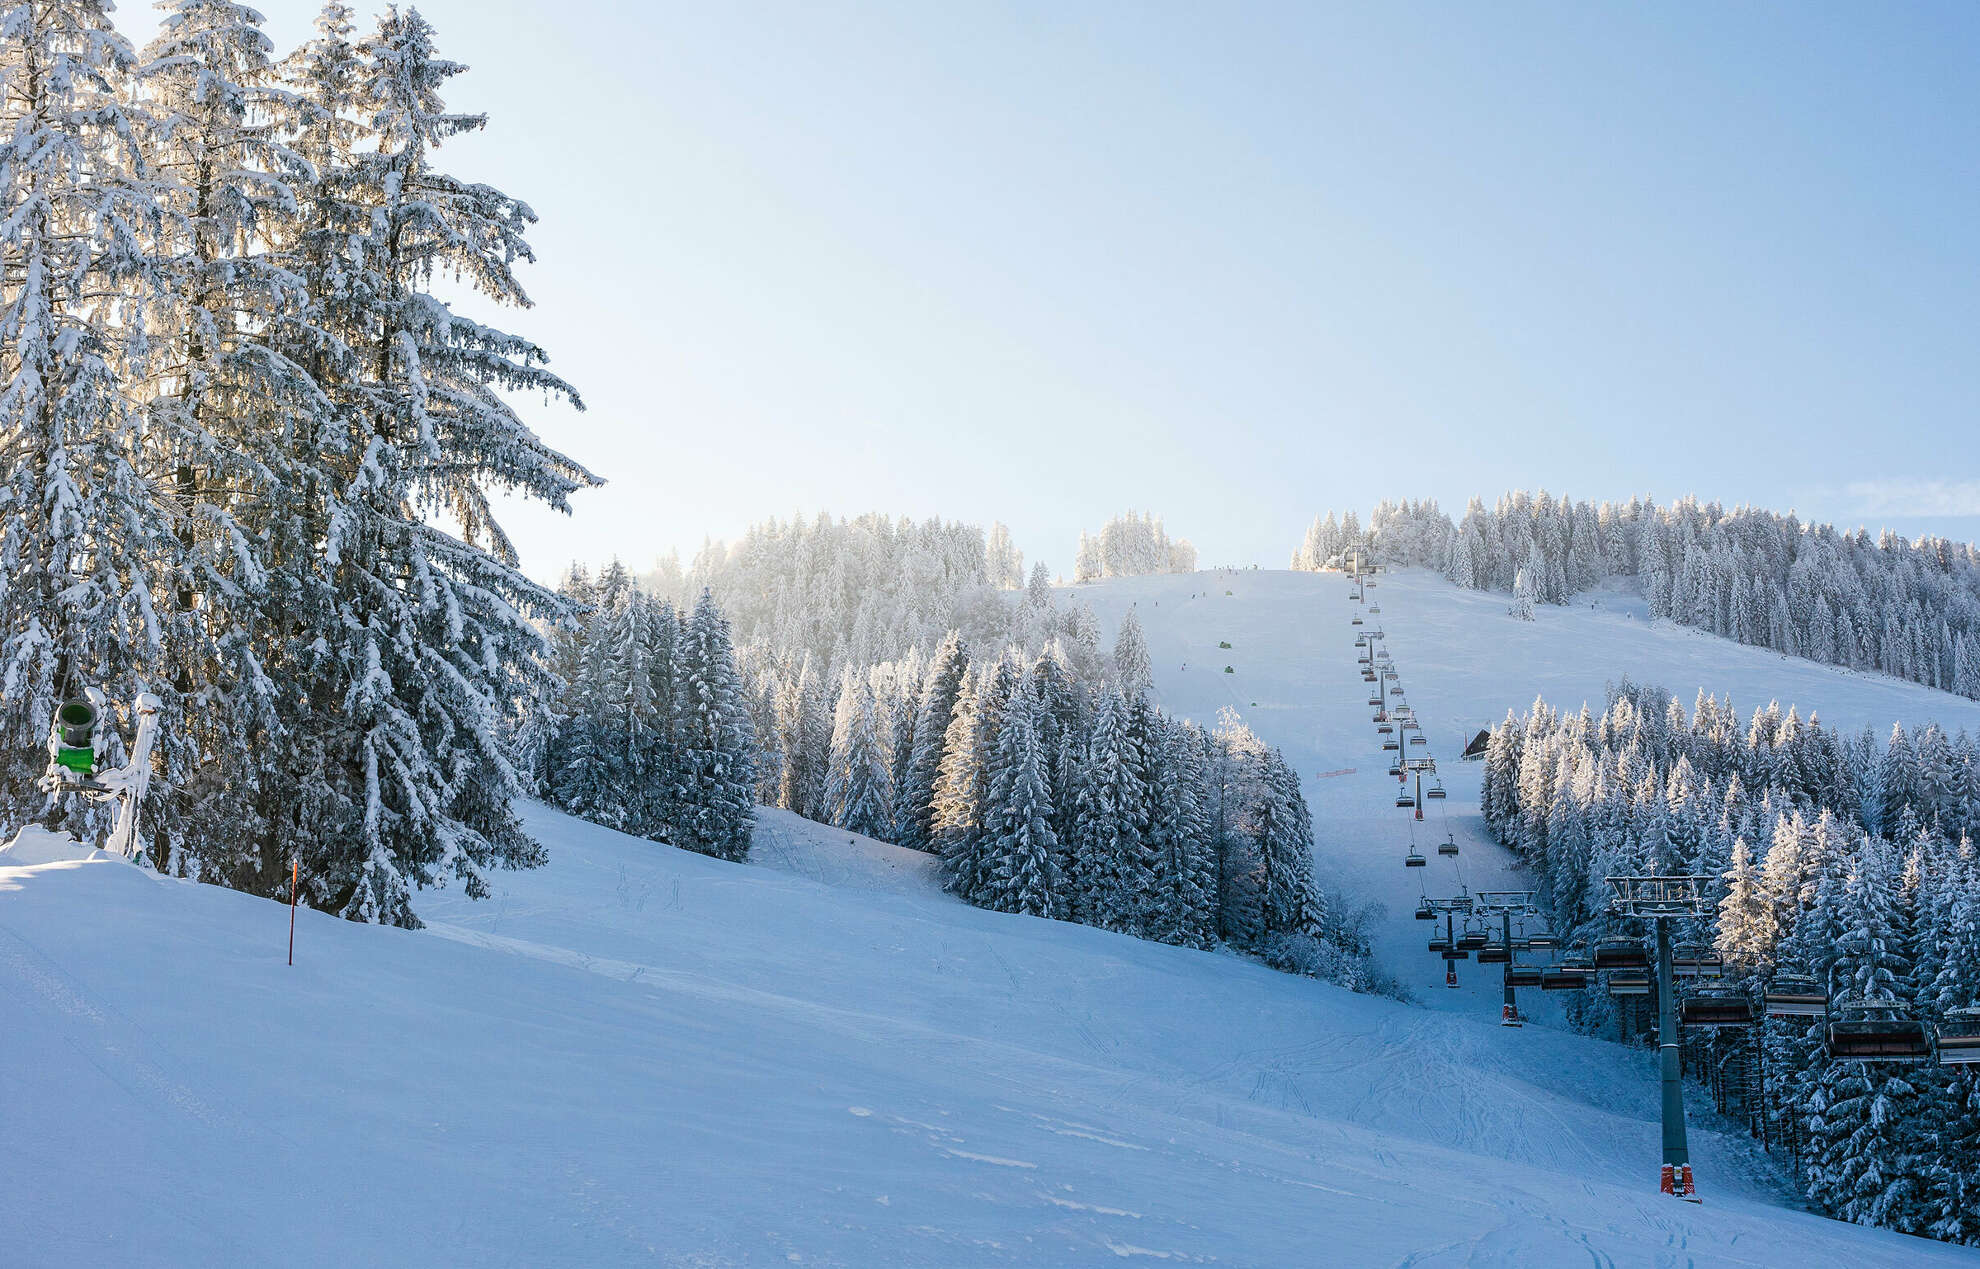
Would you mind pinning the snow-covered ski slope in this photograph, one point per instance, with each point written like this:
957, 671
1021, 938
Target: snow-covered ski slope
639, 1056
1463, 662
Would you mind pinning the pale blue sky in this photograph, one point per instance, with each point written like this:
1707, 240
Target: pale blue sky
1234, 263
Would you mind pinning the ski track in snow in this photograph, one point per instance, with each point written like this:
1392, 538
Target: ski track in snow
638, 1056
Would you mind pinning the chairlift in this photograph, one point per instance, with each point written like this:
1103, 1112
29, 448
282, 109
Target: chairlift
1424, 912
1959, 1037
1357, 621
1395, 770
1414, 859
1439, 944
1472, 940
1405, 800
1522, 975
1435, 790
1715, 1009
1697, 960
1542, 942
1374, 700
1418, 739
1631, 982
1495, 954
1795, 996
1563, 978
1620, 954
1448, 846
1857, 1037
1397, 690
1384, 728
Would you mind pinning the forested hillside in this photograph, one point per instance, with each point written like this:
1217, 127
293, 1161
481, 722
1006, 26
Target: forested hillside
1911, 609
1843, 859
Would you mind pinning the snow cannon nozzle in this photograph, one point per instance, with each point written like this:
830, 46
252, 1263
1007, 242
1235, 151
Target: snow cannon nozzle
75, 735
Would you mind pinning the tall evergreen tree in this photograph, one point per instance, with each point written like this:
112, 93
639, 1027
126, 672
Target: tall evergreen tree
716, 805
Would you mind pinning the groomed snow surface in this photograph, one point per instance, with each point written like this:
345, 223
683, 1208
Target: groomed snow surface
641, 1056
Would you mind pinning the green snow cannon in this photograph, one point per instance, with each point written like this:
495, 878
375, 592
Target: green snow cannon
75, 735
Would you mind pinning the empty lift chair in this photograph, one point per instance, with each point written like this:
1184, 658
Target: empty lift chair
1518, 976
1697, 960
1415, 859
1629, 982
1424, 912
1795, 996
1495, 954
1563, 978
1405, 800
1715, 1009
1620, 954
1448, 847
1436, 790
1874, 1031
1959, 1037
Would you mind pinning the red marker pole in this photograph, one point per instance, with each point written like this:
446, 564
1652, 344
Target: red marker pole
295, 874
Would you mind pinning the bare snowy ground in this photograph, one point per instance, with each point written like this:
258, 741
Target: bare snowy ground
639, 1056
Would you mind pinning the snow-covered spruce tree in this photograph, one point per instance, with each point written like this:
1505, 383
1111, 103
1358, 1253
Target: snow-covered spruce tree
969, 769
83, 531
914, 795
1132, 669
225, 401
1866, 1165
426, 634
1110, 822
715, 806
804, 732
1019, 847
586, 778
857, 785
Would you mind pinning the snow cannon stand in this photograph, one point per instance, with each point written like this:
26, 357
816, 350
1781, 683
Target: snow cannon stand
75, 754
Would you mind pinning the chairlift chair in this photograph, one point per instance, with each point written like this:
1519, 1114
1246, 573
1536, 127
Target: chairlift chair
1397, 690
1542, 942
1435, 791
1523, 976
1448, 846
1563, 978
1715, 1009
1357, 621
1856, 1037
1696, 960
1620, 954
1795, 996
1424, 912
1375, 609
1440, 944
1405, 800
1495, 954
1959, 1037
1415, 859
1472, 940
1629, 982
1385, 729
1418, 739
